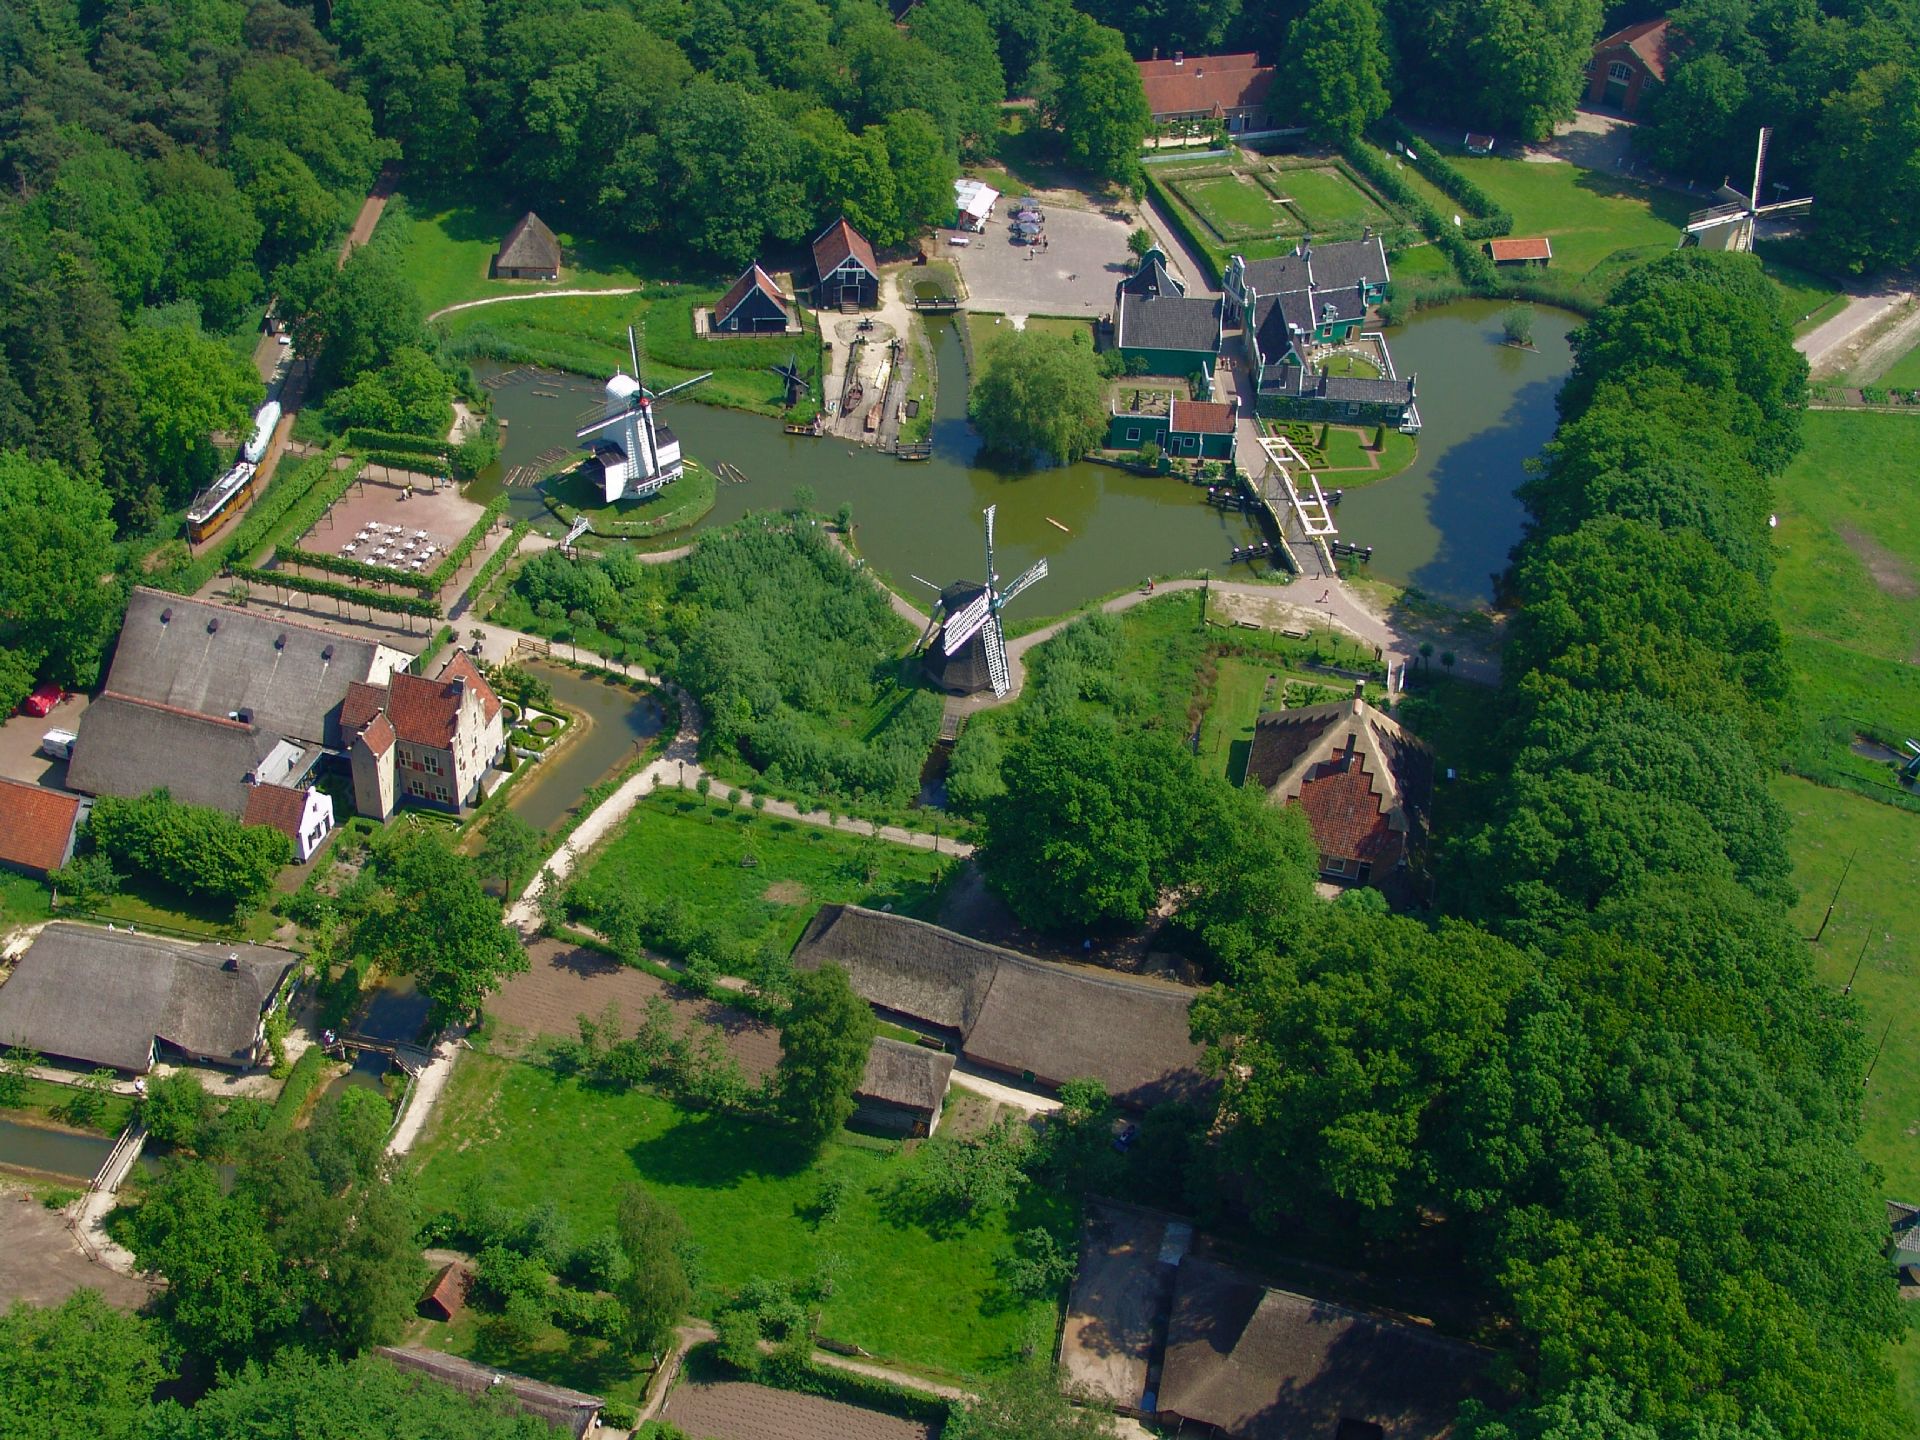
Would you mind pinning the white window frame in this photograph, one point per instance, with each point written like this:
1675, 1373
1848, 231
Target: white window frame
1619, 70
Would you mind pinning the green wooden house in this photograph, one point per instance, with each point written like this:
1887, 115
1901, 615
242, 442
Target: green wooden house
1191, 429
1157, 324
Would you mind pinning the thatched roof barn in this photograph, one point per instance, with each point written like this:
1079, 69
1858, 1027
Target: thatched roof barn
1038, 1021
904, 1087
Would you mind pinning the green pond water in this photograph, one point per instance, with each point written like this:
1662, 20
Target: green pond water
1445, 525
611, 724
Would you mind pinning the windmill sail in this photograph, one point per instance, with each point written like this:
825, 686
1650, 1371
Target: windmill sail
974, 621
996, 643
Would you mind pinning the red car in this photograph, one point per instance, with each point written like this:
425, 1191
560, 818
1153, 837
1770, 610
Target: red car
43, 699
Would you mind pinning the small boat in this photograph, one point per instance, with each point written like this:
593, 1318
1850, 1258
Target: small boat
851, 400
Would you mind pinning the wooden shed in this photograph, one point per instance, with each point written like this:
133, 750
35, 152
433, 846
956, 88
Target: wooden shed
446, 1297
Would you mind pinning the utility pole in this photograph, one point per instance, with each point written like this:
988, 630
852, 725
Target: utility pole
1814, 939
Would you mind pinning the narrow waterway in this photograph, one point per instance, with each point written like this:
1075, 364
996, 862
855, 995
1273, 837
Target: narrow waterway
611, 725
1445, 525
44, 1151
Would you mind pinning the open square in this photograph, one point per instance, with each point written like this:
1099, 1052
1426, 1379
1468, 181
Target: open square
406, 530
1085, 255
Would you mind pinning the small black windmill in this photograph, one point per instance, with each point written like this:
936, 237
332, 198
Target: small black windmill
796, 379
970, 653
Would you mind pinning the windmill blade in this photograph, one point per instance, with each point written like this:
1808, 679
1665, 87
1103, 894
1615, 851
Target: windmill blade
1759, 164
964, 624
611, 421
926, 582
997, 670
633, 351
990, 510
1779, 206
1035, 572
683, 385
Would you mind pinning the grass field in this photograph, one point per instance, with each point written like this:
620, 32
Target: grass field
754, 878
587, 334
1328, 200
1588, 215
1235, 206
1848, 544
983, 328
1904, 372
23, 901
47, 1101
521, 1135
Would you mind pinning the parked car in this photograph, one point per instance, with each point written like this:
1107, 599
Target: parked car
42, 700
58, 744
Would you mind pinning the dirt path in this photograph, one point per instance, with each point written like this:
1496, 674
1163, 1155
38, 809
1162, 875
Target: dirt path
1871, 351
1843, 344
531, 295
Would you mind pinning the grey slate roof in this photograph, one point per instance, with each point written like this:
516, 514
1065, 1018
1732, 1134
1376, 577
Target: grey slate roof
571, 1410
127, 747
1168, 322
1273, 317
1263, 1364
911, 1076
1352, 389
1017, 1014
1278, 275
291, 677
1152, 278
105, 996
1344, 264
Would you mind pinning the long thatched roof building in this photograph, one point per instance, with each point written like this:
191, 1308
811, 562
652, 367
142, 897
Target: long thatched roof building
1029, 1018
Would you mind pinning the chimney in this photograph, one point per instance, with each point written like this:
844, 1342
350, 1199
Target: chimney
1179, 57
1366, 232
1156, 52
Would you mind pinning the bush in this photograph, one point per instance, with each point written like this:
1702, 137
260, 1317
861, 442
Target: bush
190, 847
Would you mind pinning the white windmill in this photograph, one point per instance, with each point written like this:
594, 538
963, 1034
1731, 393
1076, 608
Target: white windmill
636, 454
1730, 226
972, 651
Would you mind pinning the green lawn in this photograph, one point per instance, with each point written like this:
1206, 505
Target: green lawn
1328, 200
1236, 206
1588, 215
588, 334
1240, 693
1417, 260
984, 328
1805, 299
450, 242
146, 902
47, 1101
677, 845
1347, 363
1848, 544
23, 901
521, 1135
1905, 371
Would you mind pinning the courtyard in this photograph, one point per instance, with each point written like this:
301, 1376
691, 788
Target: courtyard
1085, 256
398, 527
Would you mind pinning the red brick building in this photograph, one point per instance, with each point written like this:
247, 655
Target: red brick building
1365, 784
1200, 88
1627, 65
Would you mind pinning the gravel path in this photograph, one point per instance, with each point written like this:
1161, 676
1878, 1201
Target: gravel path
531, 295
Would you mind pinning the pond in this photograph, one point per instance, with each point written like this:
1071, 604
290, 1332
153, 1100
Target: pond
44, 1151
924, 518
367, 1072
610, 725
394, 1012
1444, 525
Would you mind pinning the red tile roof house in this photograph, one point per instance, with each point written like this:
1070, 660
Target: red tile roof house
1628, 66
1535, 250
304, 816
425, 742
36, 827
1229, 88
1365, 783
849, 275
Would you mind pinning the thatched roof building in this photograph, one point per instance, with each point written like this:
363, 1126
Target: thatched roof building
1262, 1364
1032, 1019
904, 1087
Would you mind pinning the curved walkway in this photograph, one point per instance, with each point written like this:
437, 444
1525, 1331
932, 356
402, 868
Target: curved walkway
531, 295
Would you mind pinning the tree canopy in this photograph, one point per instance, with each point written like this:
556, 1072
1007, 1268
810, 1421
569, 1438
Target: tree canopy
58, 606
78, 1366
824, 1039
1039, 395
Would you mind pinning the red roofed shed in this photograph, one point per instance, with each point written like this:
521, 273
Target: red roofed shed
1536, 250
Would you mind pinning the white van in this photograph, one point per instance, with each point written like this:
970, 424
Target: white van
58, 744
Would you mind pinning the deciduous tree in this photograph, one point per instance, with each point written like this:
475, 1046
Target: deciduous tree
654, 1293
187, 389
58, 606
1340, 63
1100, 108
1039, 394
78, 1367
437, 924
824, 1039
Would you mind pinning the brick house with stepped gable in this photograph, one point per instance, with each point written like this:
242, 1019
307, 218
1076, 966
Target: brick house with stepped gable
1628, 66
849, 276
1156, 324
1365, 783
1199, 89
530, 252
423, 742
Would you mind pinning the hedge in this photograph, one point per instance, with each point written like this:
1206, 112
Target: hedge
351, 594
408, 460
1176, 215
346, 565
497, 561
1474, 267
363, 438
283, 496
1489, 217
456, 557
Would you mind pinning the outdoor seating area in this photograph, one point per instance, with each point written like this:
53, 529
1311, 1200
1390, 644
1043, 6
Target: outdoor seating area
393, 547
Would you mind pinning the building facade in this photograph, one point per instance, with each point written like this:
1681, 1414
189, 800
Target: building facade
1158, 328
849, 275
1230, 90
424, 742
1628, 66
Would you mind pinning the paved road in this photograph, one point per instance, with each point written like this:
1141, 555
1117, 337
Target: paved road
1824, 345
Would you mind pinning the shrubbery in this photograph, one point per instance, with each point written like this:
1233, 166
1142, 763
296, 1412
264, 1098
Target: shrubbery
190, 847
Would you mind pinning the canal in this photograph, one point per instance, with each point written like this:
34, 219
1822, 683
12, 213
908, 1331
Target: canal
41, 1150
610, 725
1445, 525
